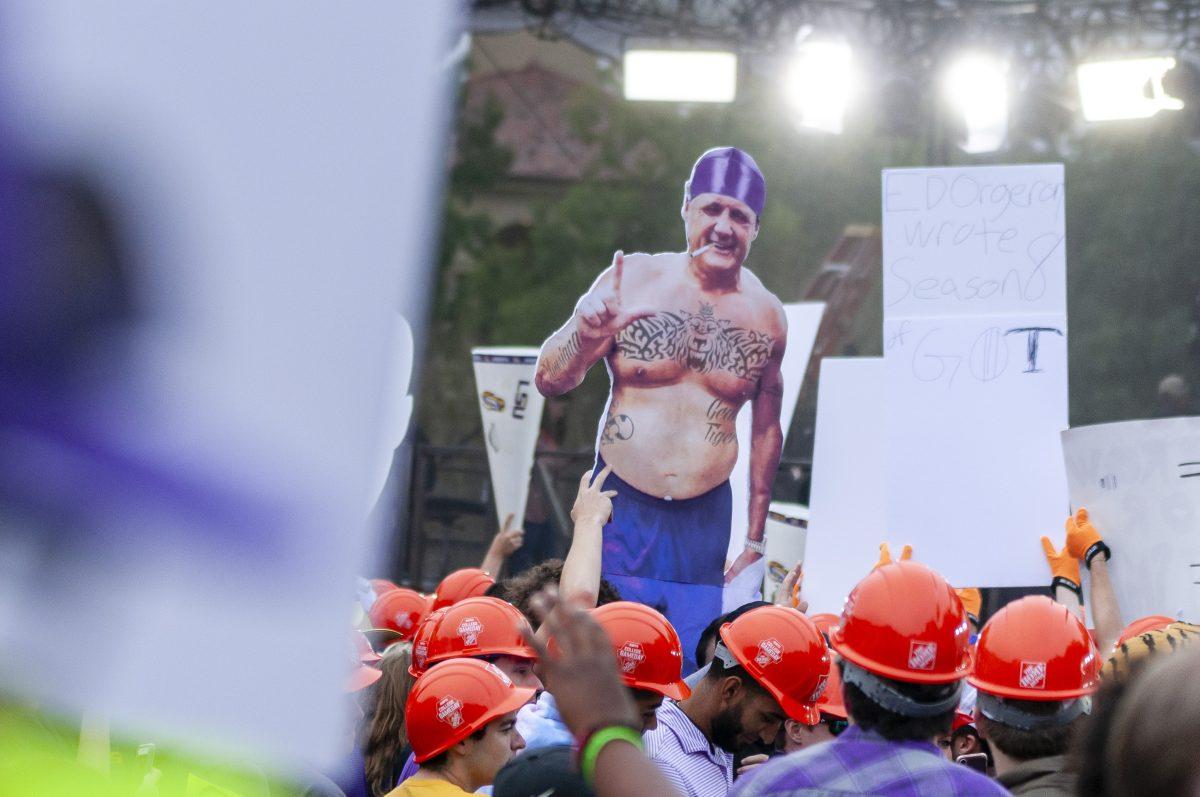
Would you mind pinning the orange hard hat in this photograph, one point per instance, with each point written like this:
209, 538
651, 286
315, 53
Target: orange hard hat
783, 652
904, 622
452, 701
1144, 625
648, 648
831, 701
381, 585
361, 657
479, 627
399, 610
470, 582
825, 622
1035, 649
420, 649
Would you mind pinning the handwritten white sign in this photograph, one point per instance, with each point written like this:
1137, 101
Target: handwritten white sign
976, 367
1140, 482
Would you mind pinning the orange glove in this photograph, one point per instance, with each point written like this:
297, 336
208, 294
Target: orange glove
972, 601
1082, 537
885, 555
1062, 564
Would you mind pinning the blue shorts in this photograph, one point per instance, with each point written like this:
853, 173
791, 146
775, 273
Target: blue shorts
669, 554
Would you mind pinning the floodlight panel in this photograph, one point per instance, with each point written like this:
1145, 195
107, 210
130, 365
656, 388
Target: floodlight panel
1110, 90
820, 85
680, 75
977, 86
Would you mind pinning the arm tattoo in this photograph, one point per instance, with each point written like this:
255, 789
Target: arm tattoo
721, 418
561, 360
616, 428
699, 341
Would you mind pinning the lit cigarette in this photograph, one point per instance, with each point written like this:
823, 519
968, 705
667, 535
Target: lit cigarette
701, 250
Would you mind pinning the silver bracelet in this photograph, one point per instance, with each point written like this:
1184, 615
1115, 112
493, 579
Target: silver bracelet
758, 546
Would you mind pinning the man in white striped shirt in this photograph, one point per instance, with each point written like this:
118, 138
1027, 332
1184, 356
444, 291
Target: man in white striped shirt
770, 664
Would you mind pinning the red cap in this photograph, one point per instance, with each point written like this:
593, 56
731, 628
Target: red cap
904, 622
470, 582
455, 699
961, 720
784, 652
400, 610
648, 649
1035, 649
479, 627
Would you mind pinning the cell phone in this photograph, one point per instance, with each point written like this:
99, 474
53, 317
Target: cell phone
976, 761
145, 757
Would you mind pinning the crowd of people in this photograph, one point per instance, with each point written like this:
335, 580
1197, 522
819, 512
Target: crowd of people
547, 683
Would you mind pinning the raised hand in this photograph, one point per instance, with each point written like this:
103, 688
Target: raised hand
885, 555
509, 539
789, 591
1081, 534
593, 504
600, 313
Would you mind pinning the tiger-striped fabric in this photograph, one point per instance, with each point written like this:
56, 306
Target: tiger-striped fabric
1144, 646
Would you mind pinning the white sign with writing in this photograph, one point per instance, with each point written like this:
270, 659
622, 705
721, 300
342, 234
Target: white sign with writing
804, 319
847, 500
511, 409
976, 367
1140, 482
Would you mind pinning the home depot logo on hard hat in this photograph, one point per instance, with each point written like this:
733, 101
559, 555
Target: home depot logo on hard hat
1033, 674
469, 630
420, 652
921, 655
770, 651
819, 689
631, 655
449, 711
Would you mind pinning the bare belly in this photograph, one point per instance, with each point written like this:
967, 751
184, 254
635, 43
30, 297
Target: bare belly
675, 441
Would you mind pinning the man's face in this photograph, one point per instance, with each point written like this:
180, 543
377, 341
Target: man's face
751, 716
797, 735
647, 704
519, 671
727, 223
500, 742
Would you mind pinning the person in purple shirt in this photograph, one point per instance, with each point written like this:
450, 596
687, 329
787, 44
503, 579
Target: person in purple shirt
903, 647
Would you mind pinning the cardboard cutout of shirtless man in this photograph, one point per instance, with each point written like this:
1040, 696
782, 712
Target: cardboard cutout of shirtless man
688, 338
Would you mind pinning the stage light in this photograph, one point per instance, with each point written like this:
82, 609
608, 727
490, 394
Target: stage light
680, 75
1127, 89
820, 84
977, 88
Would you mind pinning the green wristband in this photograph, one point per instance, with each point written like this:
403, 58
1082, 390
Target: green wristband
598, 740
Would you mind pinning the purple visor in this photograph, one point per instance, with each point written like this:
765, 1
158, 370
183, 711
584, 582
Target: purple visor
729, 172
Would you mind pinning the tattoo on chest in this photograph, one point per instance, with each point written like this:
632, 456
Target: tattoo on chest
699, 341
561, 360
721, 419
617, 427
